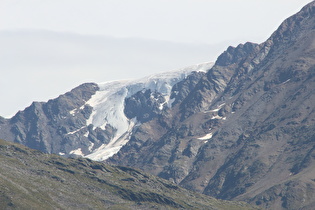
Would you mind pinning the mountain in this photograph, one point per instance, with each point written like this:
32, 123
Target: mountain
30, 179
92, 120
246, 130
241, 130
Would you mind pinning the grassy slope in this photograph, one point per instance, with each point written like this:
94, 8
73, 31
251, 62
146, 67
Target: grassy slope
30, 179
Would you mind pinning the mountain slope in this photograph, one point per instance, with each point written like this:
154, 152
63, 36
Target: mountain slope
246, 131
30, 179
90, 120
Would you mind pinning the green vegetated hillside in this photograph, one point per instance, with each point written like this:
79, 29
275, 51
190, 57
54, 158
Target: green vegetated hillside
30, 179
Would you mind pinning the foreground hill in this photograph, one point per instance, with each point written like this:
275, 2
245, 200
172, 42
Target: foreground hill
30, 179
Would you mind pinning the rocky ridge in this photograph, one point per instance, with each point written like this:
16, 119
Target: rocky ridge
90, 120
246, 131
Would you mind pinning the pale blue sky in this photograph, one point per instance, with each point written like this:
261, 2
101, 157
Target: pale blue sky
49, 47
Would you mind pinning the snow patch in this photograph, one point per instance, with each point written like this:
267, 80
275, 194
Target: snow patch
77, 152
218, 117
170, 102
286, 81
73, 132
203, 67
217, 109
167, 102
86, 134
206, 137
162, 106
72, 112
91, 146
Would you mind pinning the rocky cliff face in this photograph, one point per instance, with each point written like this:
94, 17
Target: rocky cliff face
246, 130
46, 126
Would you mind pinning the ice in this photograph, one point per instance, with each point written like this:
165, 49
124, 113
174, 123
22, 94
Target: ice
203, 67
106, 151
108, 104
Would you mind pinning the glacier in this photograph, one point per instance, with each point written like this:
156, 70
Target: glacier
109, 101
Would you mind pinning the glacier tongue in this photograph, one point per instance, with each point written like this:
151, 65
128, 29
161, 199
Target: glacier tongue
108, 105
106, 151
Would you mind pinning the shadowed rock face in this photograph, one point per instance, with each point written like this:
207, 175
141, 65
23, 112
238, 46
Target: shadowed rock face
44, 126
235, 54
144, 105
246, 131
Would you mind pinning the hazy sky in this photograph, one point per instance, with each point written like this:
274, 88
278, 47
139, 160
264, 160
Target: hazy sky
49, 47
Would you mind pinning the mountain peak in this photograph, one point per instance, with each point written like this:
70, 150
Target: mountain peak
295, 26
235, 54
